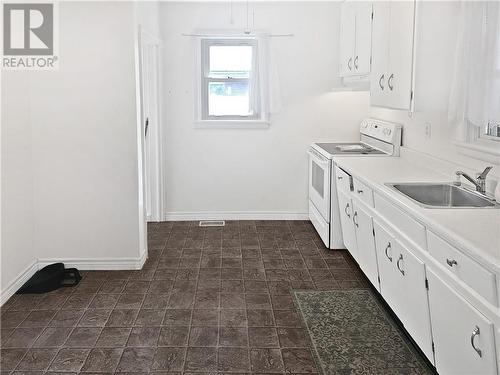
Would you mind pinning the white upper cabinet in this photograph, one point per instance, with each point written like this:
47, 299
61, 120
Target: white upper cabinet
355, 38
392, 54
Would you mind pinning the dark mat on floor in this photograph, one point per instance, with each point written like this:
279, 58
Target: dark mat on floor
353, 334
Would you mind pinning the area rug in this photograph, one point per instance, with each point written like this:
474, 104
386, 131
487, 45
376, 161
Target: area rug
352, 333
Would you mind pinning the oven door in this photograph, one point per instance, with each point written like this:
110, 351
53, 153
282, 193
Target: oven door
319, 183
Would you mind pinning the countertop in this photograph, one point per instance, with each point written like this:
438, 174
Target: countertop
476, 232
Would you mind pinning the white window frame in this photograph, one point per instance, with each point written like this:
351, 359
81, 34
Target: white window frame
203, 119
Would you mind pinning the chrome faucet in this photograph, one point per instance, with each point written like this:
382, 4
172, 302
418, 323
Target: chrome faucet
479, 182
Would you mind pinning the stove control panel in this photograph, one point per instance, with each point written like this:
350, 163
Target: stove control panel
388, 132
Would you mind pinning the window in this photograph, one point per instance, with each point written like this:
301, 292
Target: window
230, 89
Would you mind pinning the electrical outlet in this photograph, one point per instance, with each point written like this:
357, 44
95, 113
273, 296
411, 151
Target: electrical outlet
427, 130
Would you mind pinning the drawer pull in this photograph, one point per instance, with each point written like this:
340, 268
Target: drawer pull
340, 178
399, 268
387, 251
354, 219
360, 191
345, 210
473, 335
451, 262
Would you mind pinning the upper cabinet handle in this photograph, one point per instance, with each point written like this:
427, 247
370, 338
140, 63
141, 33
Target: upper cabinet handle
356, 62
389, 82
473, 335
387, 251
399, 267
349, 63
380, 82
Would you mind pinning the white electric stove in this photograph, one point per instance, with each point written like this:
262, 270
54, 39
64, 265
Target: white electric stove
377, 138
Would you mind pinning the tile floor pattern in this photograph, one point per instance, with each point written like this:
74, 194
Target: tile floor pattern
207, 300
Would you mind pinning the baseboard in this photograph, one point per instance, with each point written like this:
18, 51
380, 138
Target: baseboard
98, 264
235, 215
18, 282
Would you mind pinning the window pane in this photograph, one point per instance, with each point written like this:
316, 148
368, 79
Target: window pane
230, 61
228, 99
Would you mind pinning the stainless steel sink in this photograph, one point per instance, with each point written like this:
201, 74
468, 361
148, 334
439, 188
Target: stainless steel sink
444, 195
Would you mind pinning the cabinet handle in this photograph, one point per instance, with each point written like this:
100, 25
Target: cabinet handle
354, 219
451, 262
389, 82
473, 335
345, 210
349, 63
360, 191
356, 62
340, 178
380, 82
399, 268
387, 251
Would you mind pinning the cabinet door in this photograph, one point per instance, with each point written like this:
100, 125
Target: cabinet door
347, 38
346, 213
363, 42
400, 61
414, 304
366, 243
380, 53
386, 259
463, 337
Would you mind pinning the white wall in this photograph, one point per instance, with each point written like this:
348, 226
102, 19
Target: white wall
70, 186
224, 172
85, 139
17, 225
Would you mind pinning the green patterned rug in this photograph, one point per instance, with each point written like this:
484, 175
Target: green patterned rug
353, 334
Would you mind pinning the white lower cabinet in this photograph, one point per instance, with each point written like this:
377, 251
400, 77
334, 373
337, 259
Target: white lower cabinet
414, 302
463, 337
390, 248
367, 257
389, 286
403, 286
348, 232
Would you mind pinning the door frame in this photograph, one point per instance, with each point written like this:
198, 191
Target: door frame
145, 38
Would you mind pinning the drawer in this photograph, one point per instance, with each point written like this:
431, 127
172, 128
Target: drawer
463, 267
363, 192
343, 180
322, 227
401, 221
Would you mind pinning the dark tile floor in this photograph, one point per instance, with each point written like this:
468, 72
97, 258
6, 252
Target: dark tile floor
207, 300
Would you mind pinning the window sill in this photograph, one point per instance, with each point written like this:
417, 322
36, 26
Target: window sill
481, 149
231, 124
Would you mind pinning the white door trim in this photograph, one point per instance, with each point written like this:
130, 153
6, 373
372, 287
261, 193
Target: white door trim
148, 39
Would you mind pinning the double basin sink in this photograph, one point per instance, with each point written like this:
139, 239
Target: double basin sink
446, 195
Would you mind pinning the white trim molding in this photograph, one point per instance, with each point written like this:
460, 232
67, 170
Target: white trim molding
18, 282
235, 215
98, 264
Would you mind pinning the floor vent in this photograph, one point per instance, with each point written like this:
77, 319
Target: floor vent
212, 223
